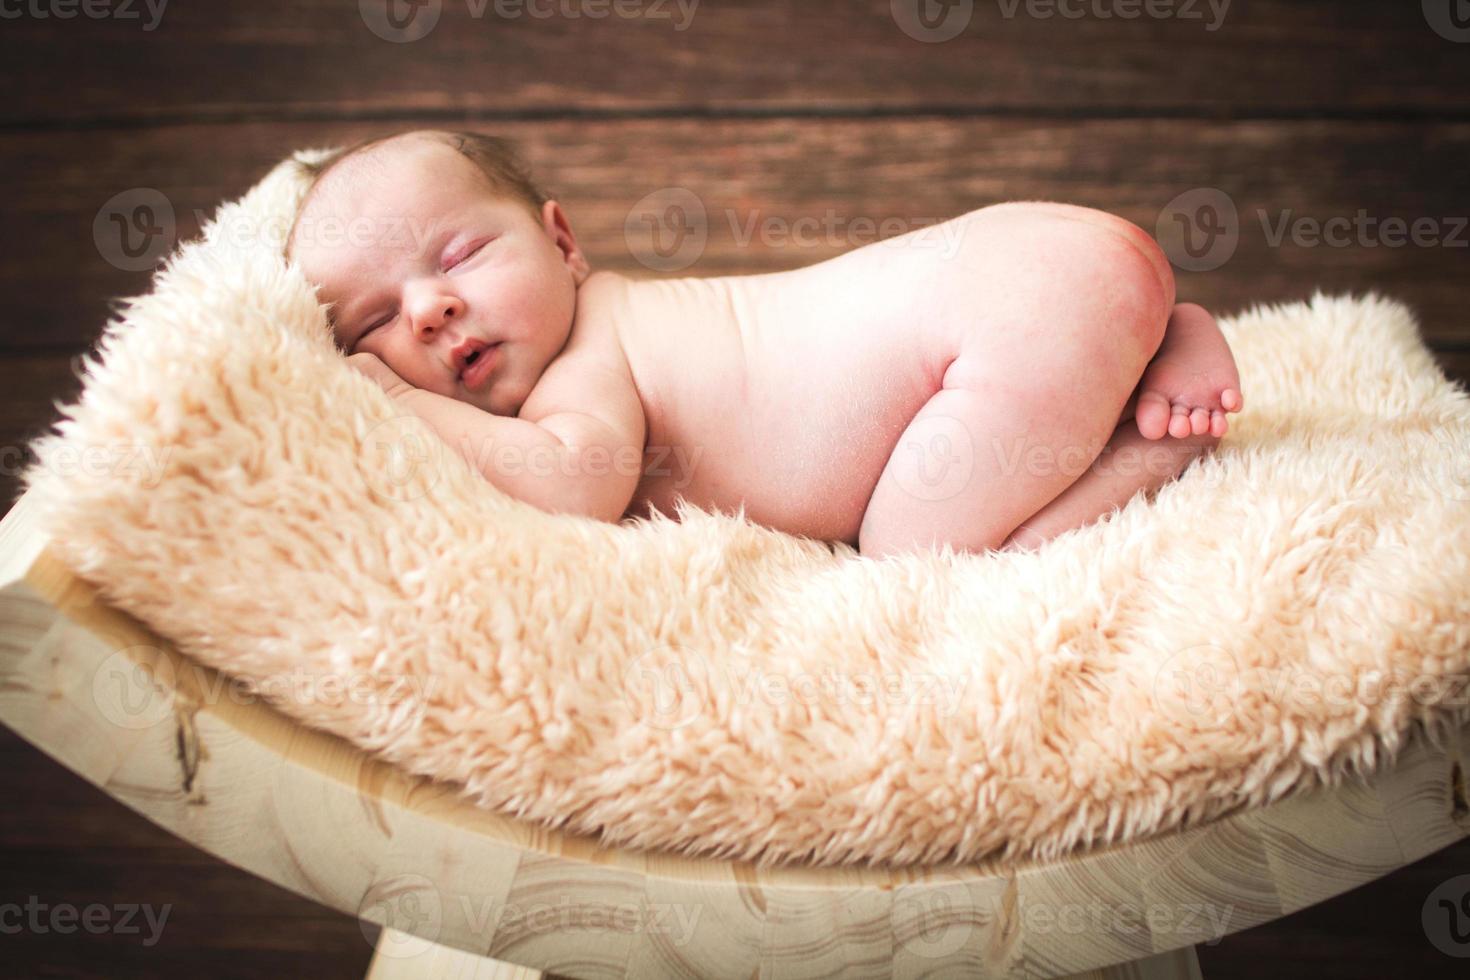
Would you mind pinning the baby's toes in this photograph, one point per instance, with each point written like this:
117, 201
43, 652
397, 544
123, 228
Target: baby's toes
1199, 421
1152, 415
1230, 398
1179, 423
1219, 425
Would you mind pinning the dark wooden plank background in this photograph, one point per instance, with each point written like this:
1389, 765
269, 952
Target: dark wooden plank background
768, 112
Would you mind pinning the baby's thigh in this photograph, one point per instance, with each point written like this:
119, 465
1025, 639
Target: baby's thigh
1044, 290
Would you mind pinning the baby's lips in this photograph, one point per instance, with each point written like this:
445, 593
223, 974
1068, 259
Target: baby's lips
488, 354
459, 357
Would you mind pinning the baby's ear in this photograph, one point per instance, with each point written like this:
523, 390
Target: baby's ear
559, 228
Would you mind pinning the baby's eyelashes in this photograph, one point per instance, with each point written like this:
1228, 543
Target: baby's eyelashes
466, 253
374, 326
371, 327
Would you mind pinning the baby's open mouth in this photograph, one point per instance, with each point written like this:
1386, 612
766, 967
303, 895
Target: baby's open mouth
476, 366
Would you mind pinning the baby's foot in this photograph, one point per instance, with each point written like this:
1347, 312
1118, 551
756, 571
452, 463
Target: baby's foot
1191, 383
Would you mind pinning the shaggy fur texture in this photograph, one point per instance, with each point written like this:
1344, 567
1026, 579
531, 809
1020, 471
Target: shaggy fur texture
718, 688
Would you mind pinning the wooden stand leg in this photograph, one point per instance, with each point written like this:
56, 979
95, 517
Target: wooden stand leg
400, 956
1179, 964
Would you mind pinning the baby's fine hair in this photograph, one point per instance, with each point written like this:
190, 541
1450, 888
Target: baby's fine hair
495, 157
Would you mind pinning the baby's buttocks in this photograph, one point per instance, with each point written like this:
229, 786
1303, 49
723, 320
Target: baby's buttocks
783, 392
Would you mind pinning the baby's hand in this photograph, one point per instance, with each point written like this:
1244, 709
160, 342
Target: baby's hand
373, 366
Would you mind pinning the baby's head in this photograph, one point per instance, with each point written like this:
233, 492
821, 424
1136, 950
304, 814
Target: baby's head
428, 243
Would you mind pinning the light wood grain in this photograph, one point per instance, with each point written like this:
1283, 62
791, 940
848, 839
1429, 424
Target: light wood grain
400, 956
122, 708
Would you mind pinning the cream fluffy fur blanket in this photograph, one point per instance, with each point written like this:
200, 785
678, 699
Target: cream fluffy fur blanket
1287, 612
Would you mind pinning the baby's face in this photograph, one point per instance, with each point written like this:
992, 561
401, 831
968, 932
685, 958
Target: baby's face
418, 257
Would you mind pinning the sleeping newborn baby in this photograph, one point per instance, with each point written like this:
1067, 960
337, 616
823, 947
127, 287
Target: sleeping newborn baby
988, 396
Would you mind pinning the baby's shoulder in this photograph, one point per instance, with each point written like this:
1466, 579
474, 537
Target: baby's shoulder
593, 359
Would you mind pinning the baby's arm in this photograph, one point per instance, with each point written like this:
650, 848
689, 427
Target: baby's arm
577, 464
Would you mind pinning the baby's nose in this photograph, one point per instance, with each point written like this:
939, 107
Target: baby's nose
436, 313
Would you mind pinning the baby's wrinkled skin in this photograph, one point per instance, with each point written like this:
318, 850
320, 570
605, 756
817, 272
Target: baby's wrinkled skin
902, 395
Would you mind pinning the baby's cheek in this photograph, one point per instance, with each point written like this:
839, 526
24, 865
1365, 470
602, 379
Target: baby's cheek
526, 319
559, 305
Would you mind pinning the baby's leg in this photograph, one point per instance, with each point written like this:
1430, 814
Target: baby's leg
1075, 306
1192, 376
1129, 463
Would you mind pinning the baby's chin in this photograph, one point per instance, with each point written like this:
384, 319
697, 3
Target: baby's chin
486, 399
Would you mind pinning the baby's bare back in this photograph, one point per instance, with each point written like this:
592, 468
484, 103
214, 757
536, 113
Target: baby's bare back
788, 391
1016, 334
